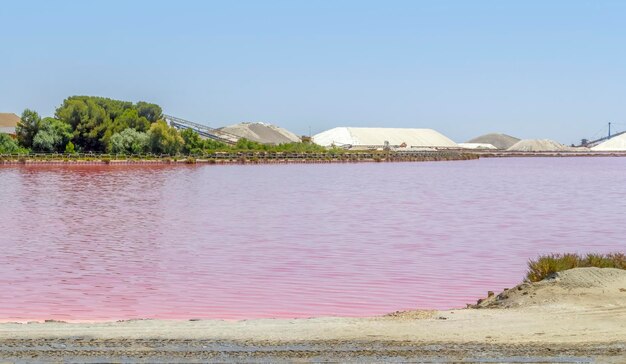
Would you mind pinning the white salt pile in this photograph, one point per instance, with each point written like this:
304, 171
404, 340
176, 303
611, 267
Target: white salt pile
538, 145
477, 146
262, 133
406, 137
615, 144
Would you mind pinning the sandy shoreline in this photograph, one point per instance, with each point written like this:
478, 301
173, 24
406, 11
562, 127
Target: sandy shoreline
544, 334
578, 317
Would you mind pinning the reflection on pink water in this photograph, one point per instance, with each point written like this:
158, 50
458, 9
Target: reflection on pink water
121, 242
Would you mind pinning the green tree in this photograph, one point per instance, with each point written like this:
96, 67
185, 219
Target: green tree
113, 108
130, 119
213, 145
152, 112
193, 143
9, 145
89, 121
69, 148
164, 139
245, 144
73, 111
28, 127
299, 148
44, 142
52, 136
129, 141
95, 120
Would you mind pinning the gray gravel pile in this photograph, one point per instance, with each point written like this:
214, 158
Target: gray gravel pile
500, 141
262, 133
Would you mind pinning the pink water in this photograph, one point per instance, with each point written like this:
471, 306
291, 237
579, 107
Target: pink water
102, 243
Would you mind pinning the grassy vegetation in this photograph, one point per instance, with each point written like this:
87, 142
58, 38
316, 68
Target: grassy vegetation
546, 265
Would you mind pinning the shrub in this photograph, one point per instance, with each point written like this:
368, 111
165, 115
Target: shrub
53, 135
9, 145
164, 139
547, 265
619, 259
69, 148
128, 141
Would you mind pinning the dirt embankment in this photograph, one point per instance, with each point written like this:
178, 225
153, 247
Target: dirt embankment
580, 288
576, 316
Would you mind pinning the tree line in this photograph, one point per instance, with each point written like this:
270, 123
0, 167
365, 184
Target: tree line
102, 125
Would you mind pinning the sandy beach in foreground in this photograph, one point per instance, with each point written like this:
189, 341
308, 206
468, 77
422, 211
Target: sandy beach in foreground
579, 316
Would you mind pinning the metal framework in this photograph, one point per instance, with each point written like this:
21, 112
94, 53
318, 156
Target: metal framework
598, 141
203, 130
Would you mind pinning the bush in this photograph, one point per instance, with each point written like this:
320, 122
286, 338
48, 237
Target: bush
547, 265
164, 139
53, 135
69, 148
9, 145
128, 141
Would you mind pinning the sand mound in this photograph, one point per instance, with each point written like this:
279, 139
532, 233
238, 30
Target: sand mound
538, 145
262, 133
590, 277
500, 141
579, 287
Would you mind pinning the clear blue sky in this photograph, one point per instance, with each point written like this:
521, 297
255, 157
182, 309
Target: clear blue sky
533, 69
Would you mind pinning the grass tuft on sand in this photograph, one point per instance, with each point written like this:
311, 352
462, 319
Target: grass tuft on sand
546, 265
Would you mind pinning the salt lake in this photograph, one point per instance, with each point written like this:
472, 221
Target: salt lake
252, 241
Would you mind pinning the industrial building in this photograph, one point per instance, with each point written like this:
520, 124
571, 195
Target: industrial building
8, 122
363, 138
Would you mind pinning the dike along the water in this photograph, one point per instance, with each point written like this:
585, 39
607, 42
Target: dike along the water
239, 158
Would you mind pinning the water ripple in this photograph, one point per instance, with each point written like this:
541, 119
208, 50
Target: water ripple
121, 242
